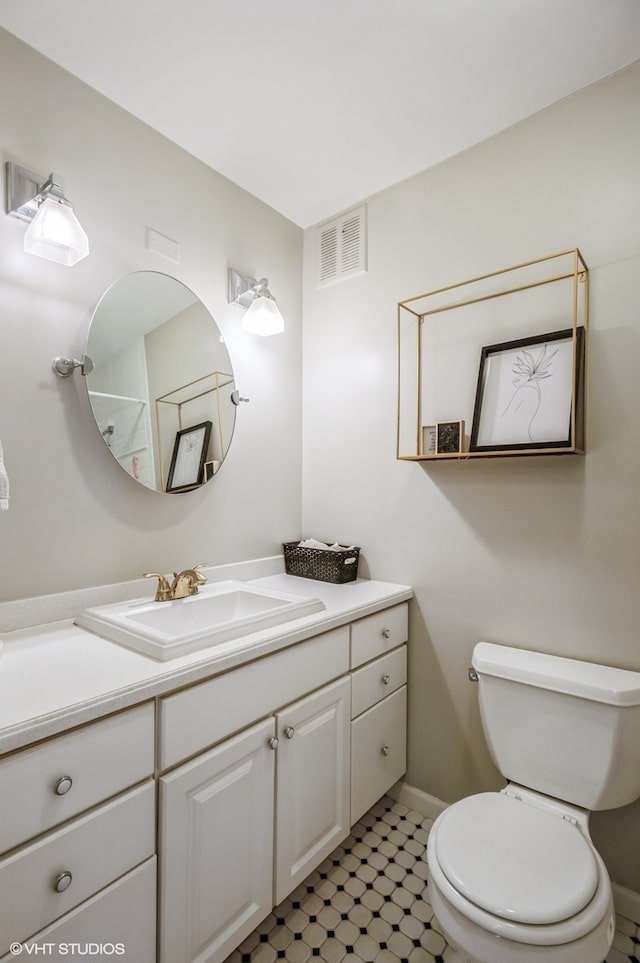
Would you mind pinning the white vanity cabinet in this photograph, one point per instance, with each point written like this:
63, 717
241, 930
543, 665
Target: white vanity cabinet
83, 819
243, 779
378, 706
222, 866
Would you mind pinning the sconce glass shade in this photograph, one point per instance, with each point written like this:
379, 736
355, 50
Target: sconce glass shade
56, 234
263, 317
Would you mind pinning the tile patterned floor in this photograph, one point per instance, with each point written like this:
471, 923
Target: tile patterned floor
369, 902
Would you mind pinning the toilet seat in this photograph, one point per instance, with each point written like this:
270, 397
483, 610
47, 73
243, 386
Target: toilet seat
590, 915
516, 861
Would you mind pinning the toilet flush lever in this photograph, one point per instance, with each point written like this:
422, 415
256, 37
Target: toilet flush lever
473, 675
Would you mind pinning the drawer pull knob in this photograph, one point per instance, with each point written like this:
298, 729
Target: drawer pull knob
386, 633
63, 785
385, 750
274, 742
386, 679
289, 732
62, 882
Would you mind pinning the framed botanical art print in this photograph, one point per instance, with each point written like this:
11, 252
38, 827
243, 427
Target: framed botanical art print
189, 456
525, 391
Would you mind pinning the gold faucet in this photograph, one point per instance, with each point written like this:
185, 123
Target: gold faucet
184, 583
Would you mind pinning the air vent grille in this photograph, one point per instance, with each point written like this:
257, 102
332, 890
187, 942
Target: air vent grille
328, 253
342, 247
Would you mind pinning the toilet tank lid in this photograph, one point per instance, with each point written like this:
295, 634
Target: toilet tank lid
587, 680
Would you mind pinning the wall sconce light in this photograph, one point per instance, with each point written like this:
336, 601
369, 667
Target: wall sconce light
262, 315
54, 231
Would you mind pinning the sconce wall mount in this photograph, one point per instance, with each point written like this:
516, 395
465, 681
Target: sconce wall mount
23, 189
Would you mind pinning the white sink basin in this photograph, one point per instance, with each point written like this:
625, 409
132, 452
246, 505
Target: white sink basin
220, 612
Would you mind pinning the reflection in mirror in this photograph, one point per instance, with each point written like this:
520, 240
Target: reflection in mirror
161, 367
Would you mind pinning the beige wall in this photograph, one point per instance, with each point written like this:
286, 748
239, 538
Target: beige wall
76, 519
540, 552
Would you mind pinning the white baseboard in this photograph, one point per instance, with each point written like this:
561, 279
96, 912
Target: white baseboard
416, 799
626, 901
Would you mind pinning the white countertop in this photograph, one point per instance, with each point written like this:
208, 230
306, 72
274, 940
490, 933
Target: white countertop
56, 675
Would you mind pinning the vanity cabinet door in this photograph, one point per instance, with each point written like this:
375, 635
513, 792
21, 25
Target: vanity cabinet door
312, 786
216, 845
378, 751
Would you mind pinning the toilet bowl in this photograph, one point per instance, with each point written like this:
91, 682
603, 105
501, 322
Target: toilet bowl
513, 876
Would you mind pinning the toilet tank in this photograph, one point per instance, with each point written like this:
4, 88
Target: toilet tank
565, 728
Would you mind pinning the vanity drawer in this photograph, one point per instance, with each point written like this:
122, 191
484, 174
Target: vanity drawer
377, 680
379, 633
197, 718
94, 762
123, 914
378, 751
94, 849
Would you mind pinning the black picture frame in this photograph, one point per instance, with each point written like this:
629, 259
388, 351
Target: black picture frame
188, 458
530, 371
449, 437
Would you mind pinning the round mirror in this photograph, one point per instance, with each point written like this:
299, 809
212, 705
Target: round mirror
162, 382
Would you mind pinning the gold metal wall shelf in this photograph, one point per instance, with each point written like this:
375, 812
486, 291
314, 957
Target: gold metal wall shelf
176, 400
503, 355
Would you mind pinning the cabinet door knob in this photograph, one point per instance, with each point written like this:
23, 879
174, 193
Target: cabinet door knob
386, 633
274, 742
385, 750
62, 881
289, 732
63, 785
386, 679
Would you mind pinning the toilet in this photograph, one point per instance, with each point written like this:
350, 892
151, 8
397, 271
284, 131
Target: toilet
513, 875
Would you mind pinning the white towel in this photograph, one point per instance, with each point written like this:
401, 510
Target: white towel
314, 543
4, 483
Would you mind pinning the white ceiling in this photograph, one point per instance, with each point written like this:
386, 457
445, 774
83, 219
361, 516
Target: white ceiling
313, 105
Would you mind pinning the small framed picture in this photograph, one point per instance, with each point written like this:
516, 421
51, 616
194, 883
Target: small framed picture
449, 437
189, 454
428, 439
209, 470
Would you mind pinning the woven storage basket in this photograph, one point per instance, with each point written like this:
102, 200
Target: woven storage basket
322, 564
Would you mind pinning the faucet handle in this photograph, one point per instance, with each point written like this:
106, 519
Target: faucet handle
200, 577
163, 592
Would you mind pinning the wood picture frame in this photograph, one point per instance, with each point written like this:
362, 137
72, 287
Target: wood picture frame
429, 434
